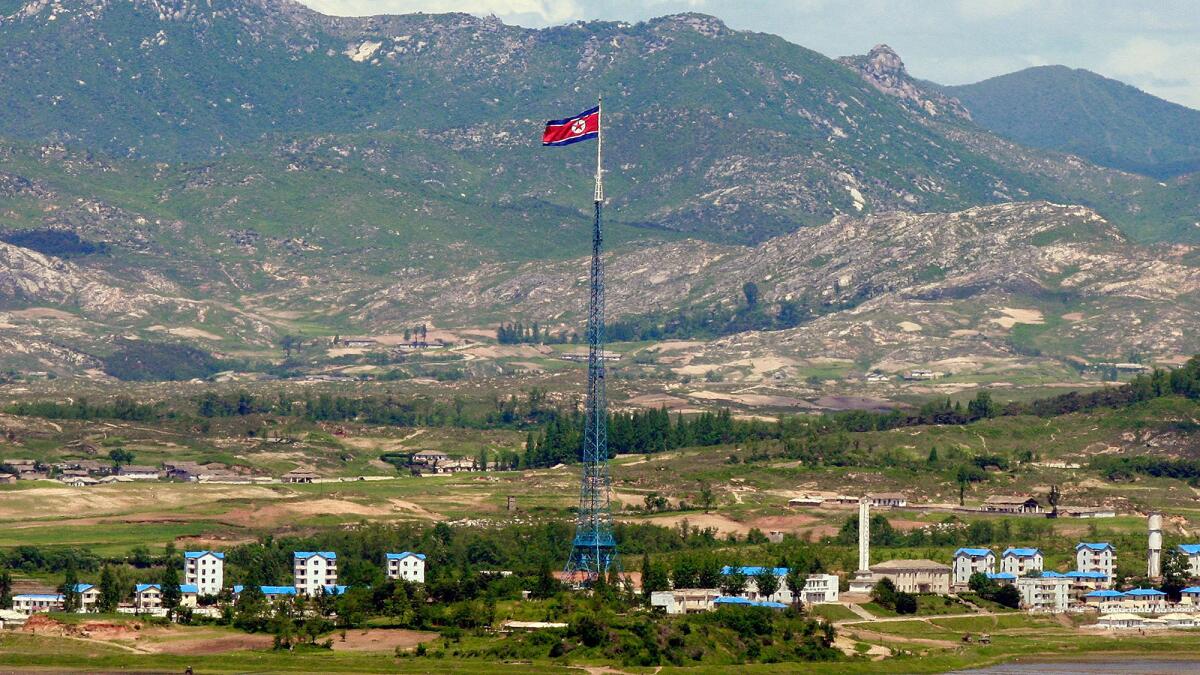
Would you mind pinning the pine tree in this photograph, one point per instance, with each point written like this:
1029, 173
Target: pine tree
5, 590
110, 590
70, 590
169, 586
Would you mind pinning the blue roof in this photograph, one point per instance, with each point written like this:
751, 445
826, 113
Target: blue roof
269, 590
1191, 589
405, 554
974, 552
1145, 592
733, 600
308, 554
1094, 546
753, 571
1051, 574
1190, 549
335, 590
1082, 574
145, 587
1021, 552
200, 554
188, 588
40, 596
83, 588
1003, 576
1105, 594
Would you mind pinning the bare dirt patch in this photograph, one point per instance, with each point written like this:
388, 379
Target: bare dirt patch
722, 524
210, 645
657, 401
1013, 316
1073, 316
380, 640
855, 403
753, 400
909, 326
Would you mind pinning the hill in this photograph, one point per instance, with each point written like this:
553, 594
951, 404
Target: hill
1100, 119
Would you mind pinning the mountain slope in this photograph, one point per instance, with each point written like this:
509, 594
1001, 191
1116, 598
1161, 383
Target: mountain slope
728, 135
1077, 111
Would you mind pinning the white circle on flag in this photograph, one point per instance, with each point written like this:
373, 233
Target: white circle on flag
578, 127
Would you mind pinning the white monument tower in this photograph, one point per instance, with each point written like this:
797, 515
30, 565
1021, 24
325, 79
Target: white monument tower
863, 580
1154, 553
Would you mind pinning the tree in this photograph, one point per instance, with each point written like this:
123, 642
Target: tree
906, 603
481, 462
5, 590
766, 582
981, 584
70, 589
733, 583
1176, 572
796, 580
169, 586
110, 590
750, 290
289, 342
1007, 595
884, 593
120, 456
546, 586
982, 406
654, 576
1053, 498
707, 498
933, 456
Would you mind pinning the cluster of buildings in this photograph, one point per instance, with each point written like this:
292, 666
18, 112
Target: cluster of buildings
1005, 504
435, 461
818, 589
313, 573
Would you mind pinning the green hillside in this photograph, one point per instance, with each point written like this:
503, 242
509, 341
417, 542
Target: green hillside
1077, 111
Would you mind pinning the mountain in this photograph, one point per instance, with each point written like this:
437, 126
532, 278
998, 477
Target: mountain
226, 172
1077, 111
723, 134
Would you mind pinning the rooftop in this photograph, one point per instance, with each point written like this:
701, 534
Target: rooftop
1022, 552
755, 571
973, 552
404, 554
329, 555
200, 554
1190, 549
917, 564
1008, 499
1094, 546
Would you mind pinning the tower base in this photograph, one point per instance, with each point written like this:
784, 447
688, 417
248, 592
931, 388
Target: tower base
863, 582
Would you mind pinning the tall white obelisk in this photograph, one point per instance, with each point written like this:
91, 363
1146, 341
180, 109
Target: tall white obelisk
863, 580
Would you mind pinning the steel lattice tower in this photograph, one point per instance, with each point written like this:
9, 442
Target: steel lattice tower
594, 549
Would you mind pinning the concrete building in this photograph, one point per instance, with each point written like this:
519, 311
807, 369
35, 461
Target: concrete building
1190, 596
1104, 600
147, 597
1087, 581
1049, 593
205, 570
1011, 504
888, 499
820, 589
32, 603
89, 596
408, 566
915, 576
139, 472
1021, 561
1095, 557
1145, 600
969, 561
313, 570
685, 600
1120, 620
1003, 578
1192, 551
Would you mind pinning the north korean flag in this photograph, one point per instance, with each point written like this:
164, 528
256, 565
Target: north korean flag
582, 127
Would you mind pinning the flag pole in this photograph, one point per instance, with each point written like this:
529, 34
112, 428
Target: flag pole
599, 145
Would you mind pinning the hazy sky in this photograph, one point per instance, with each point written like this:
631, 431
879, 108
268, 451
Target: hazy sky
1152, 44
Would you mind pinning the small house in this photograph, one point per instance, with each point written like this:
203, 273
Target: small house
969, 561
139, 472
1021, 561
407, 565
33, 603
1011, 504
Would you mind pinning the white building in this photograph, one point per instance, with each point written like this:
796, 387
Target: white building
685, 600
205, 570
969, 561
1192, 551
1095, 557
1050, 592
31, 603
314, 570
408, 566
89, 596
1021, 561
820, 589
